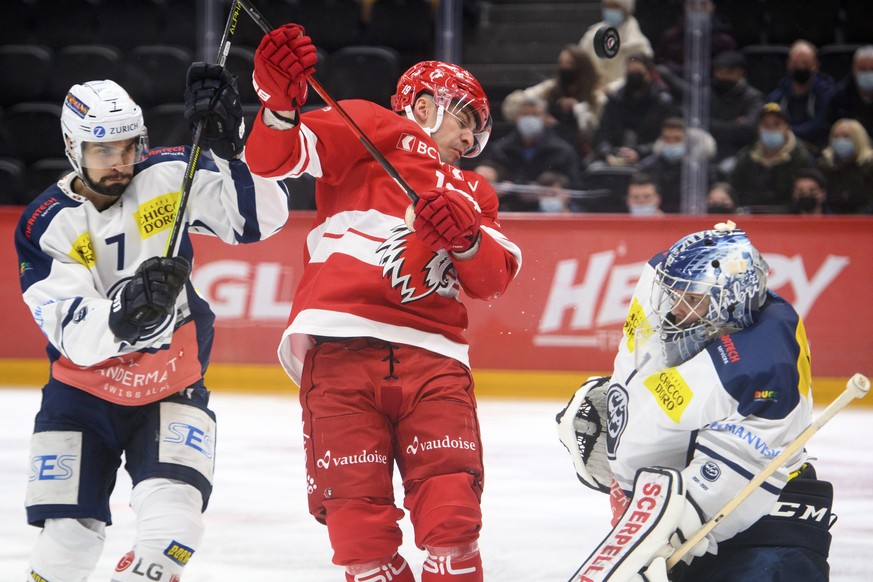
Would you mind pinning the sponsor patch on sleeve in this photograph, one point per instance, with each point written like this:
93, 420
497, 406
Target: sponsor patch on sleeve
636, 322
670, 391
83, 251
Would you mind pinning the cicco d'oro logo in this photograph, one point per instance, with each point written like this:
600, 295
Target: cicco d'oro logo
156, 215
82, 251
446, 442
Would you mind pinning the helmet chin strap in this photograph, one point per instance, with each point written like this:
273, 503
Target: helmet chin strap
437, 123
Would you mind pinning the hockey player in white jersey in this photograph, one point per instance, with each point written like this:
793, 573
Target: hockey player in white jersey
128, 336
711, 381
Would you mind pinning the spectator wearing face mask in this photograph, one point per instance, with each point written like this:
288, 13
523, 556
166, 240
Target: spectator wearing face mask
618, 14
763, 175
847, 165
533, 148
574, 104
721, 199
734, 106
805, 94
854, 95
665, 161
633, 115
553, 196
643, 198
810, 192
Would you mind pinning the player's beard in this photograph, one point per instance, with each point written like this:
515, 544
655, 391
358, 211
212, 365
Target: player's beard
104, 187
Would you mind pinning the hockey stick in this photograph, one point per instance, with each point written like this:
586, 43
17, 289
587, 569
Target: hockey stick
857, 387
350, 123
188, 177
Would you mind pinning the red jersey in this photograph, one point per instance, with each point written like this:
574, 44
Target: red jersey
366, 274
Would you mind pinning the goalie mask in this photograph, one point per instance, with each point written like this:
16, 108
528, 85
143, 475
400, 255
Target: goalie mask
102, 112
453, 90
711, 283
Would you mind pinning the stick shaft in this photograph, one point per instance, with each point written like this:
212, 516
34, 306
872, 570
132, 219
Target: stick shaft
856, 387
350, 123
188, 178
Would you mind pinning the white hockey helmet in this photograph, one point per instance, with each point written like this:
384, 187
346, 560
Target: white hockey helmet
100, 111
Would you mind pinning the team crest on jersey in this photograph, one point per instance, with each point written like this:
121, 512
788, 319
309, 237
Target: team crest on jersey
156, 215
437, 276
82, 251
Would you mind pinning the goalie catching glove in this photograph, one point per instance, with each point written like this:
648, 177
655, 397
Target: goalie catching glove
447, 219
658, 519
284, 61
148, 298
211, 96
580, 429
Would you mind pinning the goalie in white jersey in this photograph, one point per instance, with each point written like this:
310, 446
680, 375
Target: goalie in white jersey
711, 381
128, 336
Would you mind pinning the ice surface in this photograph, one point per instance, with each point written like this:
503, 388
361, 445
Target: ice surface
540, 523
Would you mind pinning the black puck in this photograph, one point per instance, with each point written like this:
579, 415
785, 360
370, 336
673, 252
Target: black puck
606, 42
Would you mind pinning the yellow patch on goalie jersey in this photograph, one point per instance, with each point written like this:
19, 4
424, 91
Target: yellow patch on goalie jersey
635, 323
83, 251
156, 215
670, 391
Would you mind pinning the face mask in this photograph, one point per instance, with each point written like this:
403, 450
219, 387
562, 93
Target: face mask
865, 80
801, 76
672, 151
643, 209
722, 86
719, 209
551, 204
530, 126
772, 140
612, 16
634, 81
567, 76
844, 147
806, 203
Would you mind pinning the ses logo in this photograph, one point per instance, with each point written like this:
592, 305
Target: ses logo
52, 467
593, 294
191, 436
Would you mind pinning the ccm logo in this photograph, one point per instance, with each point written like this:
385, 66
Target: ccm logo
798, 511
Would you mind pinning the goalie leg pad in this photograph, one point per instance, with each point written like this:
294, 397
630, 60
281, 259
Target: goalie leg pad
644, 530
580, 429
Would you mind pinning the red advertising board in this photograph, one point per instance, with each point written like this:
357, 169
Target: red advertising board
565, 310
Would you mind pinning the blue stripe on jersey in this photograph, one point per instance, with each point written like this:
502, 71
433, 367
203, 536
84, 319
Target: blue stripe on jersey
758, 366
737, 468
246, 201
33, 264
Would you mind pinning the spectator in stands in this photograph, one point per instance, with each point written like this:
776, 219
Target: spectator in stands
721, 199
854, 94
633, 115
643, 197
574, 103
532, 147
809, 192
847, 164
491, 171
665, 161
553, 196
764, 174
805, 94
618, 14
734, 106
670, 50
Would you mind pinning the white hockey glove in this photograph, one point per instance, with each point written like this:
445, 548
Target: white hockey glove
658, 519
580, 429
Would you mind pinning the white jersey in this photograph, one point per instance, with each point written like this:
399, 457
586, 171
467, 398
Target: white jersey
73, 259
719, 417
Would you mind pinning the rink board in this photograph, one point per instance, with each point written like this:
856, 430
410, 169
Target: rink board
560, 320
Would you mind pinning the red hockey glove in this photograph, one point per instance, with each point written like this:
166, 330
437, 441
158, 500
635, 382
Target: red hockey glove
283, 61
447, 219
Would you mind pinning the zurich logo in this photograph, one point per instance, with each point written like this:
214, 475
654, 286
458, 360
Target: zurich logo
710, 471
99, 131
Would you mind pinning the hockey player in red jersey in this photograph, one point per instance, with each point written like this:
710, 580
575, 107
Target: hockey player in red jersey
375, 337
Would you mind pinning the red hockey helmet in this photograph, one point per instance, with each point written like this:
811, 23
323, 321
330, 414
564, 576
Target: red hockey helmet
453, 89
